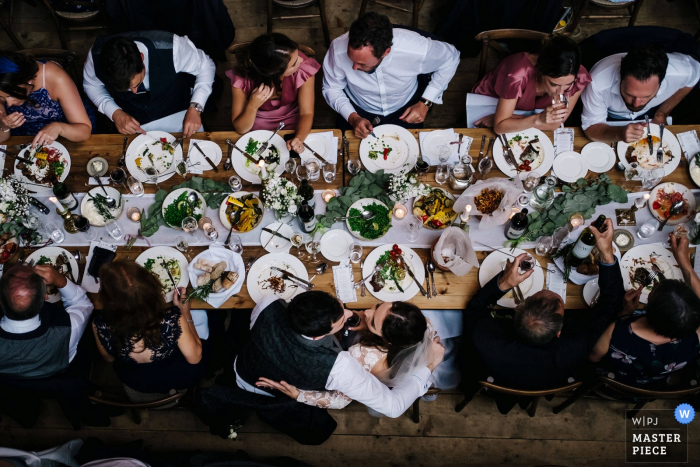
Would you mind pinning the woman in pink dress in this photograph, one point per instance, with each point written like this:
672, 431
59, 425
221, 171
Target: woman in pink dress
535, 81
272, 83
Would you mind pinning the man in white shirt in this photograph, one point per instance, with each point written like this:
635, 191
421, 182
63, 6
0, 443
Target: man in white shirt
149, 80
645, 81
373, 72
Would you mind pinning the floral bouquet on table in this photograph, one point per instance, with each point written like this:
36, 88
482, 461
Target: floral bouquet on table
280, 195
404, 186
14, 214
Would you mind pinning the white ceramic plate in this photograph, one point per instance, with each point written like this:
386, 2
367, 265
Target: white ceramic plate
493, 264
277, 244
589, 291
173, 195
359, 204
224, 218
210, 148
434, 140
574, 276
167, 252
600, 157
649, 162
166, 165
639, 256
233, 263
260, 271
531, 133
43, 189
687, 196
404, 149
320, 144
53, 252
409, 286
335, 245
570, 166
87, 208
245, 168
449, 196
694, 171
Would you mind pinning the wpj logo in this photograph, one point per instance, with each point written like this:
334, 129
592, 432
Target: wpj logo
655, 436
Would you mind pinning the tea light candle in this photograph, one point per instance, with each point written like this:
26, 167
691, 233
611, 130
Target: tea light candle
576, 220
327, 195
400, 211
641, 202
263, 172
59, 206
206, 226
134, 214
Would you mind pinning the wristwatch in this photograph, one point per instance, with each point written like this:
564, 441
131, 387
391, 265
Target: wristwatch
197, 107
427, 103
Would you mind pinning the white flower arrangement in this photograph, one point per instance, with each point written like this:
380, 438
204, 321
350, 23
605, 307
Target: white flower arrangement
404, 186
280, 194
14, 199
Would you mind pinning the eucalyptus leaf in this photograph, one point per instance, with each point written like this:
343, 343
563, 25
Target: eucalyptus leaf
345, 199
351, 190
566, 189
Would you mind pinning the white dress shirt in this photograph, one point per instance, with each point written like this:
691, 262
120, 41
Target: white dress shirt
394, 81
77, 305
602, 98
348, 377
187, 58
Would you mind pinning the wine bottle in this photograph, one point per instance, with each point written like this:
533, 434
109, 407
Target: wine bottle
306, 191
517, 226
307, 217
64, 195
585, 243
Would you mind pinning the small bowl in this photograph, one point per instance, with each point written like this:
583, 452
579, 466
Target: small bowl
432, 255
105, 166
624, 233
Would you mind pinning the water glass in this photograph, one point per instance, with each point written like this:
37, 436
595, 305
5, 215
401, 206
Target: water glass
302, 173
414, 225
235, 183
54, 232
526, 264
329, 172
522, 202
290, 166
114, 229
681, 230
313, 246
354, 166
236, 244
442, 173
561, 235
532, 180
648, 229
183, 245
544, 245
485, 165
210, 231
355, 252
313, 168
152, 174
651, 178
135, 186
444, 153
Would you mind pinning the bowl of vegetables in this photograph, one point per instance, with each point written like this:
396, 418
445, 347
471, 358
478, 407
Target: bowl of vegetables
250, 208
371, 229
176, 207
436, 209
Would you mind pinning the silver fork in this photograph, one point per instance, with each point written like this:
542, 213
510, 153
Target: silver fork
660, 151
362, 286
264, 146
177, 142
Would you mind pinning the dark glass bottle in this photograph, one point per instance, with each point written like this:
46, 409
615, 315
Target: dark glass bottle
585, 243
517, 226
307, 217
64, 195
306, 191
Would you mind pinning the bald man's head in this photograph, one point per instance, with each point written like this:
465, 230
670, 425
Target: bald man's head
22, 293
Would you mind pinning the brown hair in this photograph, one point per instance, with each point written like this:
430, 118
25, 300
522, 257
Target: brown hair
133, 305
537, 320
265, 59
403, 327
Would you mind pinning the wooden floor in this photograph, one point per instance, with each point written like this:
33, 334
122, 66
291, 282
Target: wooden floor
591, 433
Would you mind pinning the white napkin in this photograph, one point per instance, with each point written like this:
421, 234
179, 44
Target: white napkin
89, 283
194, 156
689, 142
457, 242
333, 156
234, 262
104, 180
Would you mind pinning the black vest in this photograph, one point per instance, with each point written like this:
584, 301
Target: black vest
169, 92
277, 352
40, 353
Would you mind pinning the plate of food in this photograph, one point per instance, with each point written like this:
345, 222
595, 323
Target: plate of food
641, 260
436, 209
600, 156
392, 282
335, 245
394, 150
250, 208
664, 195
371, 229
48, 162
434, 140
569, 166
319, 143
215, 279
176, 207
495, 262
61, 260
532, 150
276, 155
263, 280
154, 149
161, 259
639, 151
694, 167
94, 206
590, 290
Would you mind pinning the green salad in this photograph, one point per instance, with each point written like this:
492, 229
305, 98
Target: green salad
180, 208
373, 228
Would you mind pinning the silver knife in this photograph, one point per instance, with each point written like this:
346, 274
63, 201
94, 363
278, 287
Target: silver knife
410, 273
276, 234
68, 265
165, 266
288, 275
211, 162
264, 146
650, 140
427, 280
317, 155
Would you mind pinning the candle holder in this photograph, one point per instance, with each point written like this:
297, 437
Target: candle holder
399, 211
68, 221
134, 214
575, 221
327, 195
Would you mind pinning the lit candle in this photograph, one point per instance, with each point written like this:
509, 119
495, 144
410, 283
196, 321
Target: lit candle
576, 220
59, 206
400, 211
514, 211
206, 226
263, 172
327, 195
134, 214
641, 202
467, 214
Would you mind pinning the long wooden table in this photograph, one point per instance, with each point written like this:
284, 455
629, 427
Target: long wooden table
453, 292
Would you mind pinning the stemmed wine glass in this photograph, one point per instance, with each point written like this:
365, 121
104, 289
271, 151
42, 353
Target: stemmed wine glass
189, 225
561, 100
442, 174
414, 225
183, 245
313, 246
354, 166
298, 240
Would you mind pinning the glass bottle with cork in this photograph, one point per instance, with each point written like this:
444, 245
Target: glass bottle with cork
64, 195
517, 225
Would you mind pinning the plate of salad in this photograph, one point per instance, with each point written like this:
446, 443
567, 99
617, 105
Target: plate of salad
94, 206
176, 207
392, 282
159, 258
394, 150
371, 229
436, 209
154, 149
48, 162
275, 155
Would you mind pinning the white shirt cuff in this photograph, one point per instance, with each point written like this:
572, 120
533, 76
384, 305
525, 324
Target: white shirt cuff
423, 375
69, 291
110, 108
433, 94
200, 97
346, 110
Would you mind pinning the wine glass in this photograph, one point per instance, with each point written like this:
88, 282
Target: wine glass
31, 222
235, 183
151, 174
681, 230
189, 225
526, 264
114, 229
297, 239
444, 153
302, 173
442, 174
83, 225
118, 176
522, 202
183, 245
355, 252
529, 184
135, 186
421, 167
485, 165
414, 225
632, 172
313, 168
648, 229
235, 244
651, 178
354, 166
313, 246
290, 166
54, 232
544, 245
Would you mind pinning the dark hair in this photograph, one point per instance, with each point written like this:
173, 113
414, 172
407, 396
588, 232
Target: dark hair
537, 321
372, 30
313, 313
673, 310
265, 60
121, 61
22, 280
26, 69
644, 62
133, 305
560, 56
404, 326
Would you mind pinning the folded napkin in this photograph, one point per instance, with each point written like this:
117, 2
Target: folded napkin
455, 244
100, 253
333, 156
234, 262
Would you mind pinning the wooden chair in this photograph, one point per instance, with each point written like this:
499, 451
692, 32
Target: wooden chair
308, 51
417, 5
633, 6
415, 413
490, 39
63, 57
7, 25
123, 401
294, 4
61, 17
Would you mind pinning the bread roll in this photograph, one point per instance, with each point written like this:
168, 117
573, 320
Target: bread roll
217, 286
203, 279
219, 269
229, 278
202, 267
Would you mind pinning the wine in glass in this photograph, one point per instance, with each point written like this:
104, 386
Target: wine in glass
298, 240
442, 174
189, 225
313, 246
183, 245
351, 322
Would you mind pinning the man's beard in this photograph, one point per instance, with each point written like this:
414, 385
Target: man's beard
635, 109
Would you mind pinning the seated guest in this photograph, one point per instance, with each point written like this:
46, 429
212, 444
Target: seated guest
39, 98
539, 352
154, 348
646, 81
272, 83
535, 81
372, 71
149, 80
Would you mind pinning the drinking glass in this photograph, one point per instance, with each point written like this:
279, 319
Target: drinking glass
313, 168
313, 246
421, 167
526, 264
235, 244
302, 173
290, 166
135, 186
31, 222
210, 231
561, 235
183, 245
329, 172
114, 229
651, 178
235, 183
189, 225
118, 176
532, 180
544, 246
54, 232
681, 230
648, 228
83, 225
354, 166
414, 225
632, 173
442, 174
467, 159
152, 174
298, 240
355, 252
522, 202
444, 154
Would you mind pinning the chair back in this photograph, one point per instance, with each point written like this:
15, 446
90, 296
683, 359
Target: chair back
308, 51
115, 400
529, 393
63, 57
674, 392
526, 40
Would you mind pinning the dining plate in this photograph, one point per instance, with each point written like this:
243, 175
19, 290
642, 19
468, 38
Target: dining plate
273, 243
245, 168
493, 264
574, 275
164, 162
224, 218
694, 169
445, 215
359, 204
210, 148
600, 157
668, 188
319, 143
42, 186
570, 166
402, 145
644, 256
391, 294
590, 290
541, 165
87, 206
335, 245
166, 253
173, 195
433, 141
52, 253
647, 161
258, 280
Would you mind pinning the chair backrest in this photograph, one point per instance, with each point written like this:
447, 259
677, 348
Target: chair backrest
683, 390
490, 38
118, 401
529, 393
64, 58
308, 51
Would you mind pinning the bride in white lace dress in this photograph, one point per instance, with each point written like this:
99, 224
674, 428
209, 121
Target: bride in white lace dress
395, 338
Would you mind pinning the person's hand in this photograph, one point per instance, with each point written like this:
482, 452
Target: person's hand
436, 352
13, 120
631, 301
363, 323
603, 240
485, 122
553, 115
362, 126
633, 132
51, 276
192, 122
511, 276
126, 124
679, 248
415, 113
295, 144
283, 387
180, 303
47, 135
659, 117
260, 95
